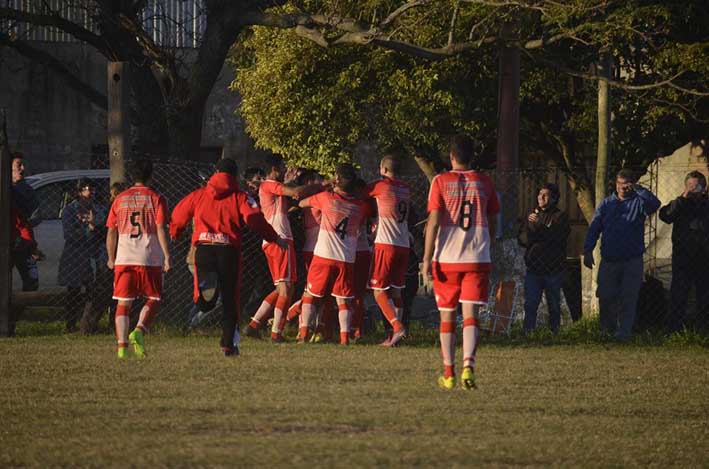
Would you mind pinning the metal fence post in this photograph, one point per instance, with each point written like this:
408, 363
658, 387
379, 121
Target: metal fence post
5, 229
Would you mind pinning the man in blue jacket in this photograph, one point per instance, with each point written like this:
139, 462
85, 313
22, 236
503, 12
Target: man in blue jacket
621, 219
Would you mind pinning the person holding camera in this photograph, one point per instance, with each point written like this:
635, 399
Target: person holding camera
544, 236
621, 219
689, 216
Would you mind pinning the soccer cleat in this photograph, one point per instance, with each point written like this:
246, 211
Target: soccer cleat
467, 379
233, 352
137, 340
316, 338
122, 352
277, 338
396, 337
446, 383
253, 333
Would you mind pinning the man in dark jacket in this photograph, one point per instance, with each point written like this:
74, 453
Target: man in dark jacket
544, 235
25, 200
689, 215
621, 219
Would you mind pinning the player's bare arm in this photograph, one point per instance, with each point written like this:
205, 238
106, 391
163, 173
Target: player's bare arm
432, 225
111, 245
305, 203
164, 245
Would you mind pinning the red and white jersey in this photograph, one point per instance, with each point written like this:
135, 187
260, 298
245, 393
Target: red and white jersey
340, 224
136, 214
311, 224
274, 206
393, 200
465, 200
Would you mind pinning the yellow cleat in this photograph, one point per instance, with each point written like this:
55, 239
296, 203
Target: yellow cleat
316, 338
446, 383
138, 342
467, 379
122, 352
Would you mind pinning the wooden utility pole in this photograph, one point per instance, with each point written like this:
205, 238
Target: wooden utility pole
508, 129
5, 230
118, 126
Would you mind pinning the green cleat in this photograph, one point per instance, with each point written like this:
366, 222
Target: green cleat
122, 352
138, 341
467, 379
446, 383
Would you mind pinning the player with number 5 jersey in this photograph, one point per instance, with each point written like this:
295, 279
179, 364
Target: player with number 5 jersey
137, 246
462, 205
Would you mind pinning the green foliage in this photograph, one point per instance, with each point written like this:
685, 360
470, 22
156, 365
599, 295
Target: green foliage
315, 105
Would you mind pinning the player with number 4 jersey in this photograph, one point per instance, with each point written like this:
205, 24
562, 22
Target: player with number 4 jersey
462, 205
332, 268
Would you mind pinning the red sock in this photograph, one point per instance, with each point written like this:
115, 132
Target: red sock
344, 338
294, 310
448, 371
147, 315
387, 307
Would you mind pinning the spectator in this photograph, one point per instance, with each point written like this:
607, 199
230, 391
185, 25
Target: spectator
621, 219
27, 204
544, 236
81, 242
689, 215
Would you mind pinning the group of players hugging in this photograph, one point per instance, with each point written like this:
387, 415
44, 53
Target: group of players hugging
461, 206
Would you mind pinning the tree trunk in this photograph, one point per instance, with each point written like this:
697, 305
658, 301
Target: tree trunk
427, 166
508, 131
184, 130
147, 115
5, 230
602, 160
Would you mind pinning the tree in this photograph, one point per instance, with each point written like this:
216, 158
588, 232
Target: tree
315, 105
170, 85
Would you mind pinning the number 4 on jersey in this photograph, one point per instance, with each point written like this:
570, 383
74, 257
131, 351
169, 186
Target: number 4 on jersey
341, 228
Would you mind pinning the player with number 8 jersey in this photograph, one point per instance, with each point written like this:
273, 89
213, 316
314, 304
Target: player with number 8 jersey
462, 205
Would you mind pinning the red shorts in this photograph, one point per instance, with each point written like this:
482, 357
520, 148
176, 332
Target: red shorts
361, 272
451, 288
281, 262
307, 259
389, 266
132, 281
330, 276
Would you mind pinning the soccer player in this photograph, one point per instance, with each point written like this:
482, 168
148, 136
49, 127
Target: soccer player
462, 205
220, 210
391, 245
273, 195
137, 247
332, 268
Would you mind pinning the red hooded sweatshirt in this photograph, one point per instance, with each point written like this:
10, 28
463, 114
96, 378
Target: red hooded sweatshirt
220, 210
21, 228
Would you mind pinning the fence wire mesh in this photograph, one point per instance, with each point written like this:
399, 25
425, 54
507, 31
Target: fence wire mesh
532, 256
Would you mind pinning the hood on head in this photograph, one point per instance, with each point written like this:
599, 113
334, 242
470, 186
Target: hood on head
222, 185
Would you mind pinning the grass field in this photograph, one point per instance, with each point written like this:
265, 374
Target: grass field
67, 401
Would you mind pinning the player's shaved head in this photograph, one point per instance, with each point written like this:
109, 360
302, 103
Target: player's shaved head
391, 164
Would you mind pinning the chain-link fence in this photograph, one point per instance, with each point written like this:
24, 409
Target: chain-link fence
540, 251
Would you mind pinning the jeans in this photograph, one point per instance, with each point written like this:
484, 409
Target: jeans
618, 287
534, 286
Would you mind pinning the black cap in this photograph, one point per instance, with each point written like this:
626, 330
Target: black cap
227, 165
